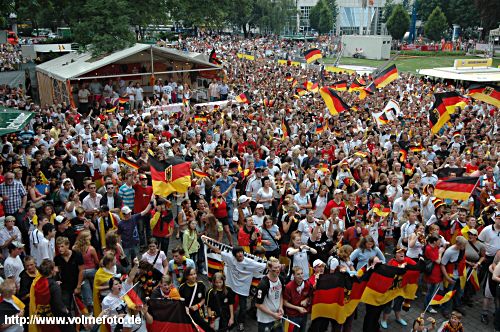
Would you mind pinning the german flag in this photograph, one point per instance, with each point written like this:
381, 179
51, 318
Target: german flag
170, 175
214, 266
285, 128
417, 148
213, 58
128, 163
442, 297
323, 167
294, 83
132, 300
444, 173
200, 118
320, 128
361, 154
370, 89
336, 296
380, 210
244, 98
288, 77
488, 94
444, 105
456, 188
386, 76
474, 280
39, 304
497, 195
403, 155
383, 119
312, 55
200, 174
301, 92
169, 315
268, 103
339, 86
385, 283
311, 86
332, 100
356, 85
122, 101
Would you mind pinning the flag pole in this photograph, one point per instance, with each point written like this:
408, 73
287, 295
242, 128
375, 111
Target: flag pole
289, 321
428, 305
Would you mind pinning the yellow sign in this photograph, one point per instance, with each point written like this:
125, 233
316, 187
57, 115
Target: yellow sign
460, 63
333, 69
245, 56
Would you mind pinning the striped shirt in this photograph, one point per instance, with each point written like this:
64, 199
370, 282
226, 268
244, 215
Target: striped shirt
127, 195
15, 192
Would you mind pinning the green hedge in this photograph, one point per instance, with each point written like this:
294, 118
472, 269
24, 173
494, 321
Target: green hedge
430, 53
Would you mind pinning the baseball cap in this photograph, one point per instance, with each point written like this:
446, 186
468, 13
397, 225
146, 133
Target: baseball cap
318, 262
126, 210
58, 220
16, 244
243, 198
259, 206
337, 191
472, 231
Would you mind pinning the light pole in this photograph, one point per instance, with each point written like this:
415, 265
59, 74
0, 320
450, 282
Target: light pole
13, 22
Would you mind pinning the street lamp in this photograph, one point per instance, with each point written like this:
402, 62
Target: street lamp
13, 22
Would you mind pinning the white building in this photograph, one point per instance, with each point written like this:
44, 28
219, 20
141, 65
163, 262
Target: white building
352, 17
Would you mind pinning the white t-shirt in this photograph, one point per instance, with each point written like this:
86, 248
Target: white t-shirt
239, 275
491, 239
13, 268
131, 93
271, 301
46, 249
261, 193
139, 93
299, 259
130, 322
306, 229
36, 237
159, 262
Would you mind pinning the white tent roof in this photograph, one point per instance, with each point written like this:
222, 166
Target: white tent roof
487, 74
74, 65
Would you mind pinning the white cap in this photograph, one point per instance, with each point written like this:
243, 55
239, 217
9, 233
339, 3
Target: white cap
126, 210
338, 191
318, 262
259, 206
243, 198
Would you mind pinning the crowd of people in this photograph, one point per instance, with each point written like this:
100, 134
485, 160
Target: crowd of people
10, 57
332, 194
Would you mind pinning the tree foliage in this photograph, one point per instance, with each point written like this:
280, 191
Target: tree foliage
398, 23
105, 26
436, 25
321, 16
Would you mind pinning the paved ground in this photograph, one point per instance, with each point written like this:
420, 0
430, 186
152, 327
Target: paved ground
471, 321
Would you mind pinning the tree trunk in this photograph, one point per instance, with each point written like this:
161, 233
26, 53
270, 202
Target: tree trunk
245, 30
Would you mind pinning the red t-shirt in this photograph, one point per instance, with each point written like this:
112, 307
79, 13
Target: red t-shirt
471, 168
142, 197
332, 204
292, 296
436, 276
352, 236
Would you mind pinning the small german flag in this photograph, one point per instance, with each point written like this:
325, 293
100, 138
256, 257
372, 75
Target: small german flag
268, 103
288, 77
488, 94
170, 175
361, 154
312, 55
200, 118
370, 89
301, 92
132, 300
356, 85
319, 128
456, 188
403, 154
383, 119
417, 148
244, 98
200, 174
285, 128
332, 100
123, 100
339, 86
386, 76
169, 315
442, 297
129, 163
311, 86
497, 195
444, 105
294, 83
213, 58
380, 210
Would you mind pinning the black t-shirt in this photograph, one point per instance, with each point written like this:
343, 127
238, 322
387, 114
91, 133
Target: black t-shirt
78, 173
7, 310
220, 302
293, 227
186, 292
68, 271
323, 246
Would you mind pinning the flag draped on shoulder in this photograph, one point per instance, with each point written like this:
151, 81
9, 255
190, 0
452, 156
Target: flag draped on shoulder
39, 305
488, 94
333, 101
169, 315
336, 296
312, 55
444, 105
214, 59
386, 76
170, 175
456, 188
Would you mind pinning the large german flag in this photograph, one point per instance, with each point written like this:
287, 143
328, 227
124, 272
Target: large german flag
456, 188
386, 76
244, 98
311, 86
356, 85
339, 86
488, 94
336, 296
312, 55
444, 105
169, 315
169, 176
332, 100
442, 297
385, 283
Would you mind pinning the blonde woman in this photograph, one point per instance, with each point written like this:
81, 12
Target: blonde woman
90, 264
190, 241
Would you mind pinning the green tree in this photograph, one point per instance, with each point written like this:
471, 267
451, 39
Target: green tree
321, 17
489, 12
104, 26
314, 15
462, 12
398, 23
388, 8
241, 14
436, 25
425, 7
